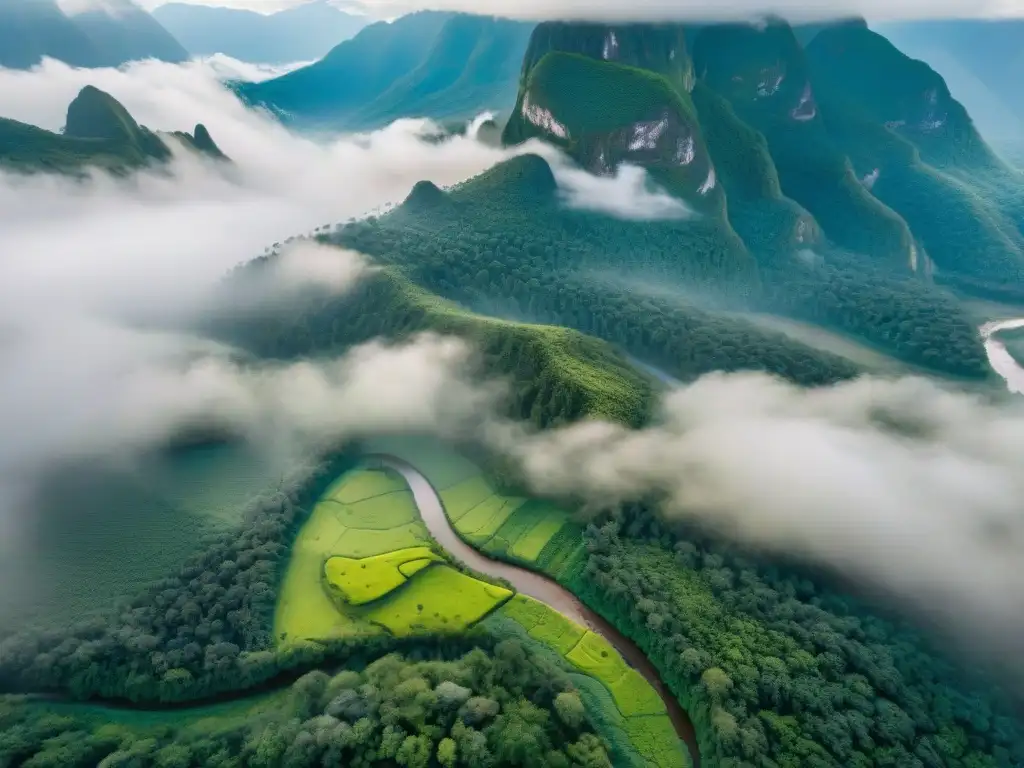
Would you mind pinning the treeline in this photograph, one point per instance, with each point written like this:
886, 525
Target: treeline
506, 707
479, 252
776, 669
684, 340
198, 633
556, 375
916, 322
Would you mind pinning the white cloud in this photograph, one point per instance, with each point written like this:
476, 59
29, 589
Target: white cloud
667, 9
898, 484
82, 262
628, 194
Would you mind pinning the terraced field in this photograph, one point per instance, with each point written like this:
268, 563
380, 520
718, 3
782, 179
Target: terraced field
626, 701
364, 563
523, 531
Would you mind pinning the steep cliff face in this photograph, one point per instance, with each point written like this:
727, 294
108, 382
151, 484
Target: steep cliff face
844, 145
861, 72
763, 72
605, 113
659, 48
760, 69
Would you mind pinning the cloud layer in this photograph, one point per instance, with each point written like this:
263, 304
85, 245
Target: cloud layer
898, 484
660, 9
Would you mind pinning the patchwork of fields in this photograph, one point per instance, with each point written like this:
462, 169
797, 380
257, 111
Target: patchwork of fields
628, 705
364, 563
529, 532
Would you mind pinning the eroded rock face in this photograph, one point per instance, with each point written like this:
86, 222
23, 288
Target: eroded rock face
665, 143
659, 48
757, 67
861, 70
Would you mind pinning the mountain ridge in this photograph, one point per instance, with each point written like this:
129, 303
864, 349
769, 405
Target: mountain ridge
31, 30
431, 64
301, 33
99, 133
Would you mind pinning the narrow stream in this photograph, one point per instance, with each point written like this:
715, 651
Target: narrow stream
540, 588
1001, 360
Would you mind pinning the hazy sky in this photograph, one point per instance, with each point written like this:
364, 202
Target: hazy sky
642, 8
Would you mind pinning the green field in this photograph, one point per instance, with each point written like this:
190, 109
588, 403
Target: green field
437, 599
372, 525
507, 527
360, 581
639, 711
363, 563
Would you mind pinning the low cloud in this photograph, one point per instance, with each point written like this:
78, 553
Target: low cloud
101, 278
898, 484
666, 10
627, 194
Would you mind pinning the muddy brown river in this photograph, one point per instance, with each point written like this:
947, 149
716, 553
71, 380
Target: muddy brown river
543, 589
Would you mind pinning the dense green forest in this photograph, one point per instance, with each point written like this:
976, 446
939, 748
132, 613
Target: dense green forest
99, 132
501, 244
505, 706
778, 669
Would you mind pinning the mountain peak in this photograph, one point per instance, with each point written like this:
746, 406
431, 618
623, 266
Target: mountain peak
659, 48
95, 114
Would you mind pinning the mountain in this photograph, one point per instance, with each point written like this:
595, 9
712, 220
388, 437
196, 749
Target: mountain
304, 33
98, 132
119, 32
835, 184
32, 29
427, 64
982, 62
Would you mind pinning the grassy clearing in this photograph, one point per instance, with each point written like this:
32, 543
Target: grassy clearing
365, 485
357, 582
544, 624
483, 521
304, 609
374, 557
443, 468
460, 499
439, 598
630, 712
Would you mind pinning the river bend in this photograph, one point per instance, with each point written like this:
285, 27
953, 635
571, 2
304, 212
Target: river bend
543, 589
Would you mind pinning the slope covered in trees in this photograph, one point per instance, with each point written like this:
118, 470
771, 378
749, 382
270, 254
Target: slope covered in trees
427, 64
775, 666
99, 132
503, 244
106, 36
826, 191
302, 33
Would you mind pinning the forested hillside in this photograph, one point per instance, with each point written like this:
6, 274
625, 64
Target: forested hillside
427, 64
98, 133
105, 36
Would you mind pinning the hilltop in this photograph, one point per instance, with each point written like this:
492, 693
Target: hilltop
427, 64
302, 33
101, 37
99, 132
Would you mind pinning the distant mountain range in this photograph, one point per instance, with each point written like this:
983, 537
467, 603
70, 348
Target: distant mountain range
304, 33
99, 132
982, 62
427, 64
33, 29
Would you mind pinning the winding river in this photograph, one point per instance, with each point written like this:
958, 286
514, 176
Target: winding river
540, 588
1001, 360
